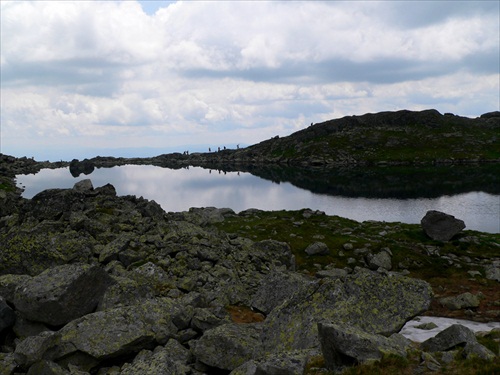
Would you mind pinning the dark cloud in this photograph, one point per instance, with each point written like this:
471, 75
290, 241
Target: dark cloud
85, 76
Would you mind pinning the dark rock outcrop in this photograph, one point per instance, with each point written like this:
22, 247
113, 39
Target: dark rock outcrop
440, 226
61, 294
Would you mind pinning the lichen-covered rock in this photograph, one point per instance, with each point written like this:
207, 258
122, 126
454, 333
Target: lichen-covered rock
229, 346
32, 348
171, 359
367, 300
449, 338
344, 345
380, 260
317, 248
277, 287
293, 362
440, 226
462, 301
61, 294
47, 368
115, 332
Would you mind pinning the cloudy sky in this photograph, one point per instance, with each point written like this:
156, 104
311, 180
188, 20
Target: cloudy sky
140, 78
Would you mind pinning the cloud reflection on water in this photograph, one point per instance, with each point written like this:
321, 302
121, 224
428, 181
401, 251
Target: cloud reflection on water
178, 190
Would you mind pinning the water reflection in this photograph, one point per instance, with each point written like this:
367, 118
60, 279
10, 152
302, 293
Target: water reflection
178, 190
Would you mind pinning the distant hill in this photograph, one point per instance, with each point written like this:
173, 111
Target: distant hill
402, 137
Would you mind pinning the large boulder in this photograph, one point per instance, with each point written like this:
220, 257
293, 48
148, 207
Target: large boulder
368, 300
277, 287
107, 334
440, 226
229, 346
344, 345
449, 338
61, 294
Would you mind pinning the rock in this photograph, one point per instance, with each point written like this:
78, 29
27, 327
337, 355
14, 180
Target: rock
107, 334
317, 248
462, 301
7, 315
228, 346
44, 367
367, 300
380, 260
344, 345
83, 186
427, 326
440, 226
293, 362
61, 294
449, 338
335, 273
277, 287
475, 349
32, 348
492, 272
169, 360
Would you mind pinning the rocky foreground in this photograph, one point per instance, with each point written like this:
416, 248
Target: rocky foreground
95, 283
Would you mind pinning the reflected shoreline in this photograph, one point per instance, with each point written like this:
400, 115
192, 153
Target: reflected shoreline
352, 193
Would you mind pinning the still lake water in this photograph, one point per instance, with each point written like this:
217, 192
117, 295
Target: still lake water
179, 189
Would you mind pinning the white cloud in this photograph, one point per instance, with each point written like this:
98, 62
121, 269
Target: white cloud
107, 73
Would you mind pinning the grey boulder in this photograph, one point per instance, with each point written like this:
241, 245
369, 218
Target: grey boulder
440, 226
368, 300
344, 345
61, 294
229, 346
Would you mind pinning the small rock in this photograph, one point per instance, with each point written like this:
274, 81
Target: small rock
462, 301
317, 248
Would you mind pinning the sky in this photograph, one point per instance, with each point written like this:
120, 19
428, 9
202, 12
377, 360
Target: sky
141, 78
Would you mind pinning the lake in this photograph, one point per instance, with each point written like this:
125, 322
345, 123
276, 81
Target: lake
179, 189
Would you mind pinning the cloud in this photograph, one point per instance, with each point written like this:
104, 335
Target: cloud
130, 74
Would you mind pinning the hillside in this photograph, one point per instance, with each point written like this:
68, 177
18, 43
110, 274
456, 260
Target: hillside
402, 137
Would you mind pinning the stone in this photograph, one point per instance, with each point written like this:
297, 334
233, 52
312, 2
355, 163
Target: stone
32, 348
120, 331
317, 248
368, 300
345, 345
44, 367
449, 338
379, 260
159, 361
334, 273
440, 226
7, 315
277, 287
492, 272
61, 294
293, 362
462, 301
83, 186
229, 346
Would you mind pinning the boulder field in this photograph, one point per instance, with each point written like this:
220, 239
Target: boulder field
95, 283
